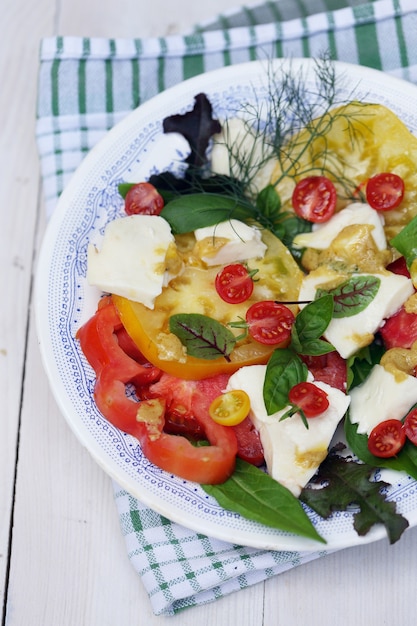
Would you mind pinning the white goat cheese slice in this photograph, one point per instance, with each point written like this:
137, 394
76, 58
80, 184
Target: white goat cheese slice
229, 242
131, 261
349, 334
322, 235
292, 452
380, 397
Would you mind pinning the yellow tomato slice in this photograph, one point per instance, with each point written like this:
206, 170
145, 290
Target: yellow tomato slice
354, 142
230, 408
192, 291
166, 351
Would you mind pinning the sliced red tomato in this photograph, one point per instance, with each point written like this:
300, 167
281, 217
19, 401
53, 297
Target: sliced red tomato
180, 418
234, 283
400, 330
309, 398
314, 199
385, 191
328, 368
269, 322
387, 439
410, 426
143, 199
145, 420
249, 446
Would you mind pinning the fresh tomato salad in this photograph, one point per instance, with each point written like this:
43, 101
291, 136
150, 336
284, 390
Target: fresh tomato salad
252, 325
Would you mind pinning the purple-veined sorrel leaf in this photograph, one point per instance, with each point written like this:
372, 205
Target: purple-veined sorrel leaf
203, 336
197, 126
353, 295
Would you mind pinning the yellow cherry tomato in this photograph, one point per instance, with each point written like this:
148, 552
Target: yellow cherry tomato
230, 408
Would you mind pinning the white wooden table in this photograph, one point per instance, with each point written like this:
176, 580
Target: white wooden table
62, 556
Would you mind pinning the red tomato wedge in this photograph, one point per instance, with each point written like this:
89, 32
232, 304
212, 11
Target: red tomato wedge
309, 398
143, 199
385, 191
145, 419
314, 199
328, 368
234, 283
400, 330
387, 439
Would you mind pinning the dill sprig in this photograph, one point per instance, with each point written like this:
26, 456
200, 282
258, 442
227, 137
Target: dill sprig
281, 139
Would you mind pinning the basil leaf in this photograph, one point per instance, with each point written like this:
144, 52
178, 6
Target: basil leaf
284, 370
353, 295
204, 337
268, 202
196, 210
310, 324
360, 364
255, 495
406, 242
123, 188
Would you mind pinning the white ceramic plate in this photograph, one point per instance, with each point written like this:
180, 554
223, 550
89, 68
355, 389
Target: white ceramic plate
134, 149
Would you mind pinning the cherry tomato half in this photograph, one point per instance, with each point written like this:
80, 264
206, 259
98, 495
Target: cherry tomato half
314, 199
230, 408
234, 283
309, 398
143, 199
410, 426
387, 438
269, 322
384, 191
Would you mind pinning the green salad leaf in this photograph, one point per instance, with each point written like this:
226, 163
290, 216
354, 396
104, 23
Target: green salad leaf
197, 210
258, 497
284, 370
309, 326
348, 483
406, 242
203, 336
353, 295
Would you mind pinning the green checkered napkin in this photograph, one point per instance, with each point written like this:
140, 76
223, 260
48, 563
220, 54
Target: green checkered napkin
86, 85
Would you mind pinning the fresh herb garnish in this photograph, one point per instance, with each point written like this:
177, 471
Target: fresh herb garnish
284, 370
359, 365
257, 496
406, 242
203, 336
353, 295
197, 126
189, 212
309, 326
285, 127
348, 483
